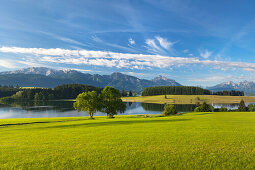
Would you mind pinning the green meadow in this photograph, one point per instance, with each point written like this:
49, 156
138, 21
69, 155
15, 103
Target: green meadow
189, 141
189, 99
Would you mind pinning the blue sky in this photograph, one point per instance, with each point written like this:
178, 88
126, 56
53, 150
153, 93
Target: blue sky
198, 42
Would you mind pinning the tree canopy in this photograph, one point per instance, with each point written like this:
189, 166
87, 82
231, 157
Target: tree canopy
169, 109
88, 101
112, 103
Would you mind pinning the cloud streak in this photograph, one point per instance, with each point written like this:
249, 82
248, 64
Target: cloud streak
112, 59
159, 45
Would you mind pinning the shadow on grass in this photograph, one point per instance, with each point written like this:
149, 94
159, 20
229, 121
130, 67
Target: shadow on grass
29, 123
115, 123
204, 114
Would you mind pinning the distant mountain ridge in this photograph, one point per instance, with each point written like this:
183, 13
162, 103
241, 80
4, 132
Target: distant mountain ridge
246, 86
47, 77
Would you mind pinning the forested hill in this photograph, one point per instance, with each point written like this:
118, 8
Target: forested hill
50, 78
186, 90
175, 90
68, 91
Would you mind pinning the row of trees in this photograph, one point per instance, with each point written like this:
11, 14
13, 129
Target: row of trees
124, 93
186, 90
68, 91
229, 93
175, 90
8, 91
241, 108
109, 102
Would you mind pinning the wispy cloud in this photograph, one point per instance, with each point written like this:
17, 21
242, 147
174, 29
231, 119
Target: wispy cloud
164, 42
205, 53
159, 45
112, 59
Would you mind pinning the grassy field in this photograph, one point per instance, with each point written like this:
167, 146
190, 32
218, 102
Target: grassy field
189, 141
189, 99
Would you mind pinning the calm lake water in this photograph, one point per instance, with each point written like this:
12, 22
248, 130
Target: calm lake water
65, 109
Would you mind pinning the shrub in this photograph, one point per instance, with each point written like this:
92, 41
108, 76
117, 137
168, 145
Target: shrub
223, 109
197, 109
251, 107
204, 108
169, 109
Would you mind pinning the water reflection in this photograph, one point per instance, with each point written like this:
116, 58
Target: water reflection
65, 109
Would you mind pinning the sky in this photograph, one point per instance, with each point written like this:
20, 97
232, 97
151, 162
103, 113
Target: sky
198, 42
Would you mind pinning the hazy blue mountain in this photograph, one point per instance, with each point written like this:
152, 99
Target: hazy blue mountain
163, 81
247, 87
47, 77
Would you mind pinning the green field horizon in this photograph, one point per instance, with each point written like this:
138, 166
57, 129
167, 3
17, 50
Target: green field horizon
190, 99
218, 140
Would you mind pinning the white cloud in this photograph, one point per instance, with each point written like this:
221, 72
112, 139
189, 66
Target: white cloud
153, 47
131, 41
112, 59
134, 74
164, 42
7, 64
205, 53
159, 45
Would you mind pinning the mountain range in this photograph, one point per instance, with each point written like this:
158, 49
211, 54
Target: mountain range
246, 86
47, 77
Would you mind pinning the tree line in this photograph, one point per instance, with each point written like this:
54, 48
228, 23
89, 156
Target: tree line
241, 108
175, 90
68, 91
229, 93
186, 90
8, 91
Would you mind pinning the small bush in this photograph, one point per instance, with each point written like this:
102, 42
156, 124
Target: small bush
204, 108
169, 109
223, 109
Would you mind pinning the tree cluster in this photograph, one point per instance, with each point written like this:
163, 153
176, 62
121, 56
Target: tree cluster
229, 93
175, 90
68, 91
186, 90
204, 108
109, 102
8, 91
169, 109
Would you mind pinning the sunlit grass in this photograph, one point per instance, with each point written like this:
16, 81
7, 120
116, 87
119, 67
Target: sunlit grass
189, 99
188, 141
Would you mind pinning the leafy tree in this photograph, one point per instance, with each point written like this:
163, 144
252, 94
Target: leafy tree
242, 107
88, 101
112, 103
204, 108
197, 109
223, 109
130, 93
169, 109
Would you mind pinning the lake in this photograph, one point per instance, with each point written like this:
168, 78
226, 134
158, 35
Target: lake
35, 109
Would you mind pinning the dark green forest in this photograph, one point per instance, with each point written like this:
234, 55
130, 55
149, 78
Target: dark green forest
186, 90
8, 91
68, 91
